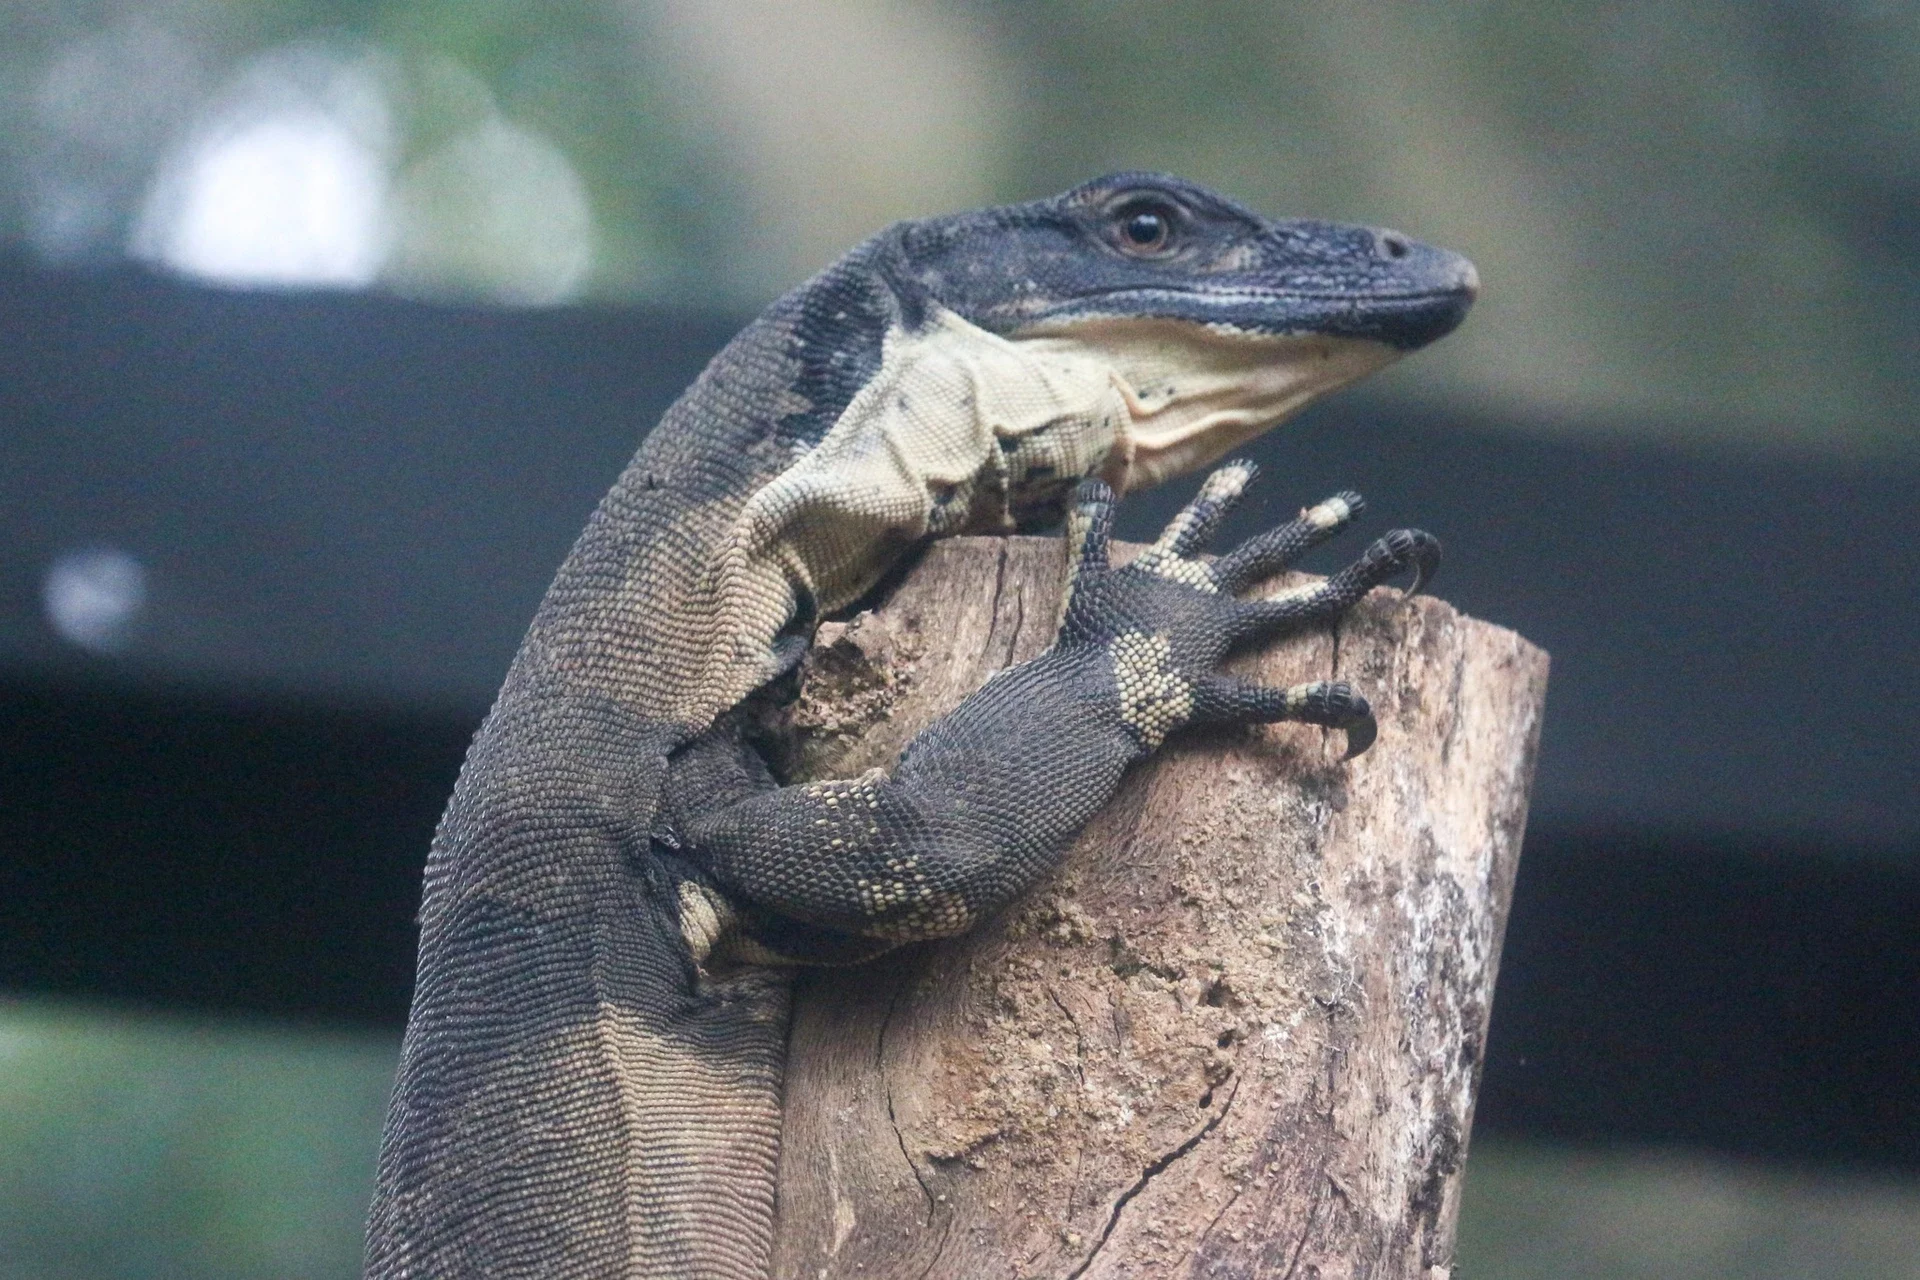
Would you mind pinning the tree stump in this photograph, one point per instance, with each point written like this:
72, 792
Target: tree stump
1237, 1033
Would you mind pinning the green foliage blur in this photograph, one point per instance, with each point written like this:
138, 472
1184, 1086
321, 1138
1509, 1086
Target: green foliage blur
133, 1145
1693, 221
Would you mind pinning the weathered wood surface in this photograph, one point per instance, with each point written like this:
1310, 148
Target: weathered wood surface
1237, 1034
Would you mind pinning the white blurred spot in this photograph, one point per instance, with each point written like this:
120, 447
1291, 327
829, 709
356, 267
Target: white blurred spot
284, 183
498, 210
94, 598
293, 200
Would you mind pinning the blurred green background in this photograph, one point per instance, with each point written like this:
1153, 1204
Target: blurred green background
1689, 217
1694, 222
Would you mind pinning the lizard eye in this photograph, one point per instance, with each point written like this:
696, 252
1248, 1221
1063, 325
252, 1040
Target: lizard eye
1145, 227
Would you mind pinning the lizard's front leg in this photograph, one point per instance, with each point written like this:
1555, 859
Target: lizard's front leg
986, 799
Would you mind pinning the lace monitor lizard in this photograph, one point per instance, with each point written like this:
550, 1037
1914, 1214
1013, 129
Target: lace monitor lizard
590, 1080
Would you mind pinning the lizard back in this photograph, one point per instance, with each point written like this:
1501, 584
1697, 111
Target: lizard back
571, 1101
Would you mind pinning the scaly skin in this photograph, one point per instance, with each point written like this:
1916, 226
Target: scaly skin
586, 1089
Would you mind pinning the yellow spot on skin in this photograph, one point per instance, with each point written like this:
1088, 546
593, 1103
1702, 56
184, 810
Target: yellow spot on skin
1305, 592
1227, 483
1154, 698
1223, 486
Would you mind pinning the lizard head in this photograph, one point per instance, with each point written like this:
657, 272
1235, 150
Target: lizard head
1214, 322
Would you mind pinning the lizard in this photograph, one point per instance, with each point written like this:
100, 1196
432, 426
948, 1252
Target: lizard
622, 882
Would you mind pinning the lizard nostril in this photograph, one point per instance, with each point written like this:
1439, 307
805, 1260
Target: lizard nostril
1394, 245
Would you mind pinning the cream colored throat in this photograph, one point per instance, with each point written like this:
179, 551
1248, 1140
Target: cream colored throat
1195, 391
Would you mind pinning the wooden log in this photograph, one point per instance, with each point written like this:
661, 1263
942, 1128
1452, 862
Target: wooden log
1238, 1033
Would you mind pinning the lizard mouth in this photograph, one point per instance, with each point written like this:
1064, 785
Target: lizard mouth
1407, 319
1194, 391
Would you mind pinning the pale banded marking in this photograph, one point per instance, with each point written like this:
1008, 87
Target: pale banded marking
877, 897
1154, 698
1079, 523
1330, 514
1221, 487
1227, 483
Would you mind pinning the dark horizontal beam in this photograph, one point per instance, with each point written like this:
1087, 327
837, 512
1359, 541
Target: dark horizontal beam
172, 848
1753, 998
349, 506
360, 499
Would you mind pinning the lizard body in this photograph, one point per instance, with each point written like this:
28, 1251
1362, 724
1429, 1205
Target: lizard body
590, 1081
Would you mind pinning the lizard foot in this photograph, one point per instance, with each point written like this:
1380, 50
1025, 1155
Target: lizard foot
1169, 618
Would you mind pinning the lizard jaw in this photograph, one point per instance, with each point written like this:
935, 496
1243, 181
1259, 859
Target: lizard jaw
1193, 391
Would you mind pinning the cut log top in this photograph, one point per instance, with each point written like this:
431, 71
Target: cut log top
1238, 1033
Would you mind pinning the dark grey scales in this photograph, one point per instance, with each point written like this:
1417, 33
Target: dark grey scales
590, 1082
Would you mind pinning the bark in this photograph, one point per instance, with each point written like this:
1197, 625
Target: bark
1238, 1033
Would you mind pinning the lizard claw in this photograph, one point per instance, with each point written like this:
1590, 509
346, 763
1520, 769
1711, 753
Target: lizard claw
1400, 549
1334, 705
1360, 734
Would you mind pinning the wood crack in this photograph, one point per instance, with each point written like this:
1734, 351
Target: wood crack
1453, 704
1306, 1232
993, 605
1214, 1221
1080, 1075
880, 1065
1147, 1175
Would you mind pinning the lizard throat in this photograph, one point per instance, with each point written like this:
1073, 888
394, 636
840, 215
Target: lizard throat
1193, 392
959, 430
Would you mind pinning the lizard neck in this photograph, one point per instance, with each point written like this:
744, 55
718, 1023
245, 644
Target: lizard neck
730, 528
